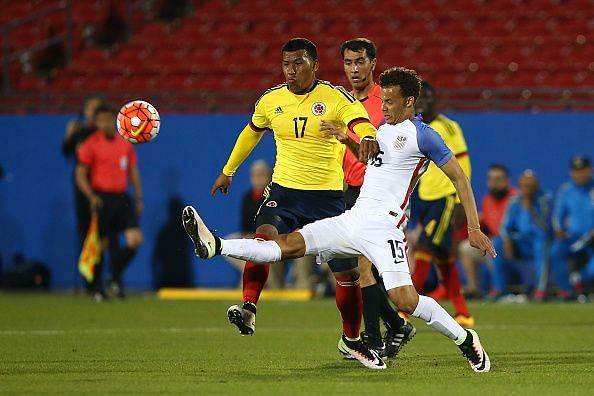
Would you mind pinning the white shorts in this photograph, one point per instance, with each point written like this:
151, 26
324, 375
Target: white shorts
369, 233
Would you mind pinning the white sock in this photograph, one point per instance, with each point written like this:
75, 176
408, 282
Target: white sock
437, 317
251, 250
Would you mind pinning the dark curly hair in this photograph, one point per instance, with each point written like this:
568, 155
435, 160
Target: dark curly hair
407, 79
298, 43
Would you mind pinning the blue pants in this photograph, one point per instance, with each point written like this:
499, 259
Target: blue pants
560, 254
532, 255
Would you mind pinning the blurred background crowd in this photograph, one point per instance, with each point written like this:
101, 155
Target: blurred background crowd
517, 75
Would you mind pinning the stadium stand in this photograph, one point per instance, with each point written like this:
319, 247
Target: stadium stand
483, 54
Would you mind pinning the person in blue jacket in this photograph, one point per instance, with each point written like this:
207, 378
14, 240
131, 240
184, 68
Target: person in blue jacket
573, 223
524, 235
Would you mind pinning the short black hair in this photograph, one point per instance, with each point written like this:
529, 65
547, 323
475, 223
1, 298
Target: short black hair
359, 44
407, 79
299, 43
500, 167
104, 108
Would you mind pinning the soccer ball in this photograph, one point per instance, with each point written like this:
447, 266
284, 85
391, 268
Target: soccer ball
138, 122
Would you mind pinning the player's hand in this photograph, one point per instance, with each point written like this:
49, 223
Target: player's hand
96, 203
222, 183
368, 149
481, 242
330, 128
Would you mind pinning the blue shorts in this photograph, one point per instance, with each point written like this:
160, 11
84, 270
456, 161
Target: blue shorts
289, 209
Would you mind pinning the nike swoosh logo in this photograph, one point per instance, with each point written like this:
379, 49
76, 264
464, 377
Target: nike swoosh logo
139, 130
483, 363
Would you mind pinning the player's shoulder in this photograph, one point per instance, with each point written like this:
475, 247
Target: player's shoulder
272, 92
338, 91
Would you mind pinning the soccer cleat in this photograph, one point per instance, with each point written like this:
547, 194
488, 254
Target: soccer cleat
206, 244
464, 321
396, 339
357, 349
475, 353
244, 319
376, 344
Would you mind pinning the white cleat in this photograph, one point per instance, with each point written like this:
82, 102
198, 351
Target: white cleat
474, 352
244, 319
357, 349
206, 243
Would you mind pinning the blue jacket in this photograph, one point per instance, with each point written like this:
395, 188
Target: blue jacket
574, 209
520, 223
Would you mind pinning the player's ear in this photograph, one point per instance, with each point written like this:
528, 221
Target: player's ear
410, 101
373, 63
315, 66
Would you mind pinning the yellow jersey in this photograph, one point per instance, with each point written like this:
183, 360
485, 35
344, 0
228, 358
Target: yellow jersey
304, 159
434, 184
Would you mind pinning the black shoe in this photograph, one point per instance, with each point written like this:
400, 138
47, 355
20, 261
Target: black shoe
244, 318
116, 290
368, 357
395, 339
474, 352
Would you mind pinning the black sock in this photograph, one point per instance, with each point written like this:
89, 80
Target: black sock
372, 296
388, 314
120, 260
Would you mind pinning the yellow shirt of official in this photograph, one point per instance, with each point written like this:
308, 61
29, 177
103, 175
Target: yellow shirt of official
304, 159
434, 184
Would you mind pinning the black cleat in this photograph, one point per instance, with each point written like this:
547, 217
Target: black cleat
395, 339
474, 352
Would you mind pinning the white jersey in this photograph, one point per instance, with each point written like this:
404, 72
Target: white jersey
374, 226
405, 151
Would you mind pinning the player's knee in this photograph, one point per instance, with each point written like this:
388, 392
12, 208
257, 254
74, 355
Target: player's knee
347, 276
366, 276
134, 238
267, 230
292, 245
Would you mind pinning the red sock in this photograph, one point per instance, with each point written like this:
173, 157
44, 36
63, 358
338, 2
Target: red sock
422, 267
451, 280
254, 278
350, 304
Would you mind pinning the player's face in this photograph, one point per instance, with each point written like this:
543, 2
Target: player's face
581, 177
90, 107
105, 121
358, 68
426, 103
299, 70
396, 108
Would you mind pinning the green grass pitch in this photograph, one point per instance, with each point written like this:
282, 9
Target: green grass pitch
59, 344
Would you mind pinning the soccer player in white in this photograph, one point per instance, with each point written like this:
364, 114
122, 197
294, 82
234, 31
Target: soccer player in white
374, 226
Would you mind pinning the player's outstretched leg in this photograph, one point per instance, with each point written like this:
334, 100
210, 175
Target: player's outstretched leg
423, 307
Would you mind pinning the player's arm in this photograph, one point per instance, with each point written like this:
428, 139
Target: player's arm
246, 141
559, 214
81, 177
134, 174
330, 128
432, 146
352, 113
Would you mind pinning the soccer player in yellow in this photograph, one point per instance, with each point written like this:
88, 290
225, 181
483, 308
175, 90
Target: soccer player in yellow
437, 202
307, 180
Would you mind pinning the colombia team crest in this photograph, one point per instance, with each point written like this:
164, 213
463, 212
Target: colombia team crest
318, 108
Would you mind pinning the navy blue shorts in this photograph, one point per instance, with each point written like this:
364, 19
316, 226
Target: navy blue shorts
289, 209
436, 219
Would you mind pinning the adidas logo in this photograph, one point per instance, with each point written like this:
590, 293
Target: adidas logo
278, 110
